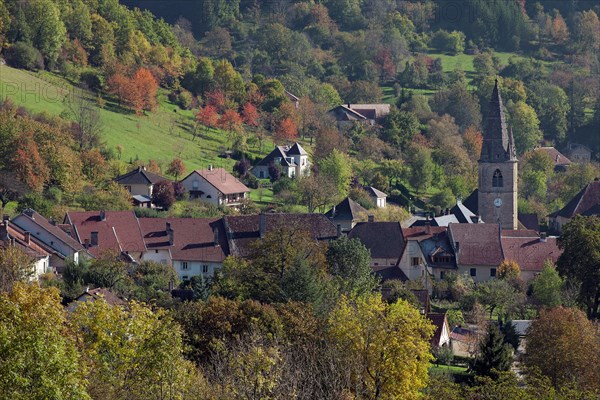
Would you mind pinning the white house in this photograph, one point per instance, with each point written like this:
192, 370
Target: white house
62, 245
215, 186
292, 160
379, 198
13, 236
140, 183
193, 246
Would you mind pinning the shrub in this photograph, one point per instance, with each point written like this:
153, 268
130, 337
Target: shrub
24, 55
92, 79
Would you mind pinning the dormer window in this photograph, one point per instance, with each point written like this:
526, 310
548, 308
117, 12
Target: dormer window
497, 179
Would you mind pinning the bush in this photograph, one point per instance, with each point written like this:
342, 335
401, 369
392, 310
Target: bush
183, 98
92, 79
282, 184
23, 55
141, 212
251, 181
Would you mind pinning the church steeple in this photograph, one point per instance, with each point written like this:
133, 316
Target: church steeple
497, 143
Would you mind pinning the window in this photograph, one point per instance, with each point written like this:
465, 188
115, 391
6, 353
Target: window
492, 272
195, 184
497, 179
442, 274
262, 174
155, 251
473, 271
184, 265
205, 269
414, 261
185, 278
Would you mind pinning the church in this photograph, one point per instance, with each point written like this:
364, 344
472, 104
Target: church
495, 199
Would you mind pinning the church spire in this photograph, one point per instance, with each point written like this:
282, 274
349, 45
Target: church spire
496, 142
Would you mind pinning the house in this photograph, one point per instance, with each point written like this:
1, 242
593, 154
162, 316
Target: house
384, 241
243, 230
292, 160
378, 197
477, 248
529, 250
578, 153
464, 341
13, 236
437, 251
346, 214
417, 258
140, 183
108, 231
95, 295
295, 100
347, 115
441, 335
193, 246
463, 214
215, 186
559, 160
522, 328
586, 202
61, 246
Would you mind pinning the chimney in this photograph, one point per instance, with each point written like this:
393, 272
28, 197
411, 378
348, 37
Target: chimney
6, 217
262, 224
4, 231
216, 236
348, 105
94, 239
210, 167
543, 238
143, 167
170, 233
52, 221
102, 215
371, 218
27, 237
339, 230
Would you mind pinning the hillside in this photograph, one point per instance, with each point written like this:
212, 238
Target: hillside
161, 135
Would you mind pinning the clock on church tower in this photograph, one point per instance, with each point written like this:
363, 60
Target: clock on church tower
497, 195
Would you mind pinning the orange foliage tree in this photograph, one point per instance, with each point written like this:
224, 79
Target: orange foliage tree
286, 130
27, 163
473, 141
93, 164
137, 92
208, 116
250, 114
230, 121
176, 168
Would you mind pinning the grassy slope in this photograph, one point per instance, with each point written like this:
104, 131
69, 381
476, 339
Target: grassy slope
161, 135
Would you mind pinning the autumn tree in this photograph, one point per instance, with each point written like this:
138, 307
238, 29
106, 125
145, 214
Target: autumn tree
386, 346
28, 164
145, 87
208, 117
230, 121
578, 263
176, 168
39, 357
565, 346
163, 194
93, 163
132, 352
473, 141
508, 269
250, 114
285, 130
15, 266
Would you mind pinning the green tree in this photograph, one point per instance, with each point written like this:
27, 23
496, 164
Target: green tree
48, 32
421, 168
498, 295
526, 127
578, 263
551, 104
39, 357
386, 346
337, 167
547, 286
399, 127
228, 80
494, 355
350, 261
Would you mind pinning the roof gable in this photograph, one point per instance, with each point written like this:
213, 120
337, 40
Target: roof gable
346, 209
530, 252
587, 198
139, 176
40, 221
221, 180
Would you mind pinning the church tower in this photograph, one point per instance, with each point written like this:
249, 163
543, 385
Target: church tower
497, 197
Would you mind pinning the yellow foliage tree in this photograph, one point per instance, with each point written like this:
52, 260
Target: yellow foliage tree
386, 346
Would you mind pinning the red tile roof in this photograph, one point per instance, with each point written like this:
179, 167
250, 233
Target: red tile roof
54, 230
193, 238
222, 180
520, 233
422, 232
119, 231
478, 244
529, 252
101, 293
35, 248
587, 198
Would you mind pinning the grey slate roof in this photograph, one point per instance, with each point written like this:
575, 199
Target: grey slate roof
383, 239
283, 152
374, 192
498, 143
139, 176
586, 199
346, 209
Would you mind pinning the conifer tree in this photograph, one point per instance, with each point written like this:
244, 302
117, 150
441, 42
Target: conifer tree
494, 355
